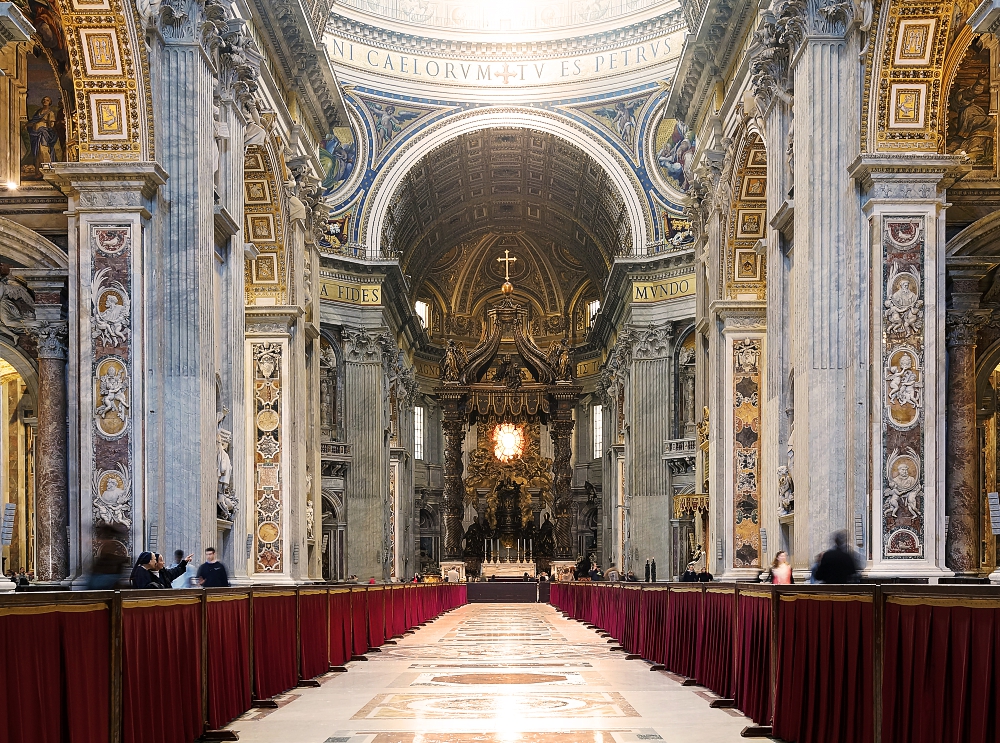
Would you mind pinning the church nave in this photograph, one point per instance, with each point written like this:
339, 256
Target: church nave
495, 673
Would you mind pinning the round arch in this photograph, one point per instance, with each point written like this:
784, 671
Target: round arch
392, 174
28, 248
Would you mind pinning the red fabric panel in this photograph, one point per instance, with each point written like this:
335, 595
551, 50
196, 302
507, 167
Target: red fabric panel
825, 679
752, 688
940, 674
655, 634
55, 678
714, 664
632, 604
274, 649
340, 627
376, 617
161, 673
359, 620
683, 627
314, 657
228, 660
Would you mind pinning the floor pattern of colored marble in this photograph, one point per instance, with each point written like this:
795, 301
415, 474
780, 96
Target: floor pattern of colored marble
495, 673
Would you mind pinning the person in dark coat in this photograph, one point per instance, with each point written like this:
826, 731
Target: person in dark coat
142, 574
212, 573
838, 565
689, 576
705, 577
165, 575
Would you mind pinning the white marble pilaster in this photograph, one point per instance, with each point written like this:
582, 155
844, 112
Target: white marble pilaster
905, 211
109, 243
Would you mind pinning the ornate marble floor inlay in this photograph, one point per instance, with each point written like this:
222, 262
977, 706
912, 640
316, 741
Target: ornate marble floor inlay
494, 678
597, 736
457, 705
495, 674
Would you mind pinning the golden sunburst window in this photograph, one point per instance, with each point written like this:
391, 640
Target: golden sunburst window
508, 442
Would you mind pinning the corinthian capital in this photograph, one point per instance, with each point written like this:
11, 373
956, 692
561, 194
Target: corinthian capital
51, 339
962, 326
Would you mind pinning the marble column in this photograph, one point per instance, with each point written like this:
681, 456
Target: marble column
962, 500
454, 490
52, 496
366, 422
561, 432
650, 506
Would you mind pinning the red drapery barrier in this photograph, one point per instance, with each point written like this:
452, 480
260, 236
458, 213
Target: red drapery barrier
410, 606
752, 687
314, 657
228, 658
340, 627
376, 616
940, 674
825, 669
654, 631
274, 650
398, 611
55, 678
161, 670
714, 663
631, 602
359, 619
683, 625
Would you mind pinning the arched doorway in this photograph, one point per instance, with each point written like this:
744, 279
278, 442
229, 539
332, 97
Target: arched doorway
334, 545
18, 434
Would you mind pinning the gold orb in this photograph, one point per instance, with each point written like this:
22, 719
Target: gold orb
507, 288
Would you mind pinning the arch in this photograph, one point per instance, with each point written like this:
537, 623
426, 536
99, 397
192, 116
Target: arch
107, 58
745, 217
265, 224
393, 173
28, 248
982, 237
23, 365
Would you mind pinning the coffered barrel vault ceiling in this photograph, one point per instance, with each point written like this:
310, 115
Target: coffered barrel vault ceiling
545, 200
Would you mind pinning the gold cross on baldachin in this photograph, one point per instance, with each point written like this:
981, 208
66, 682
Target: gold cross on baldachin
506, 260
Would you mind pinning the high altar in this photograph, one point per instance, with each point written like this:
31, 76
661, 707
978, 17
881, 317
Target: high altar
509, 388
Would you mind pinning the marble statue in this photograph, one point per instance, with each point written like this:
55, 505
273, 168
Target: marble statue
786, 491
225, 500
904, 383
111, 325
13, 294
310, 520
113, 499
903, 492
113, 394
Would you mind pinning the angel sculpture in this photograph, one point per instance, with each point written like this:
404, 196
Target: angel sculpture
560, 360
622, 117
111, 505
111, 325
11, 294
113, 394
454, 362
388, 121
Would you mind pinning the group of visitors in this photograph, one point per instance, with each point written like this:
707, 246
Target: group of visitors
20, 579
587, 569
692, 576
150, 572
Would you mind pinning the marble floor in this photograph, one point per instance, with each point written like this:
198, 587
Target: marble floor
495, 673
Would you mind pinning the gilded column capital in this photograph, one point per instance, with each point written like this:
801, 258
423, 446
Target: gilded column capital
962, 326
